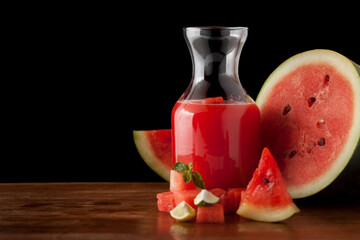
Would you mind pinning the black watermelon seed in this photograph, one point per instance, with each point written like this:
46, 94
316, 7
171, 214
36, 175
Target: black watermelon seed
311, 101
321, 142
292, 154
327, 78
266, 181
286, 110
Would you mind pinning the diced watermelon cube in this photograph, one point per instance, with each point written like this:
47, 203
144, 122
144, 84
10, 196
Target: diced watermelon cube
187, 196
177, 182
236, 192
217, 191
213, 100
229, 203
226, 199
165, 201
210, 214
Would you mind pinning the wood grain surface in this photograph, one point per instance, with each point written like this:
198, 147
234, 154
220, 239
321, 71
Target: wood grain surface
128, 211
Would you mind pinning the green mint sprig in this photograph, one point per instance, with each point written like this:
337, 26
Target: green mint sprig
189, 174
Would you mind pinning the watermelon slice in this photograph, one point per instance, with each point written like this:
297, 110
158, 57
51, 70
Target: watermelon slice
155, 149
310, 110
266, 198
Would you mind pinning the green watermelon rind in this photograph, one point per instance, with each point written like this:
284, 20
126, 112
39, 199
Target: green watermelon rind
144, 148
351, 71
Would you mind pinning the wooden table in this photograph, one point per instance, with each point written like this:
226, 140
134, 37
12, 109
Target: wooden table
128, 211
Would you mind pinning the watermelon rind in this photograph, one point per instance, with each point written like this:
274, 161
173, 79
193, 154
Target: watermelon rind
144, 148
349, 155
267, 214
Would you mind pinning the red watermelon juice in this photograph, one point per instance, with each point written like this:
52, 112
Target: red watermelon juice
220, 138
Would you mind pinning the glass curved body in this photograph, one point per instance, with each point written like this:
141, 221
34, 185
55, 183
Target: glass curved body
215, 125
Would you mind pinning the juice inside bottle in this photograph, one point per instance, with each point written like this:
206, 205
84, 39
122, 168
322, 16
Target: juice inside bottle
221, 140
215, 125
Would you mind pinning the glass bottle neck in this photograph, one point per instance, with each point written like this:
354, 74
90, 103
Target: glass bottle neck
215, 53
209, 64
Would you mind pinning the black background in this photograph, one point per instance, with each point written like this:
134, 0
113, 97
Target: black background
81, 78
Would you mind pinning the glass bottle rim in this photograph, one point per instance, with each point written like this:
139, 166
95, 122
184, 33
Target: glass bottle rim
214, 28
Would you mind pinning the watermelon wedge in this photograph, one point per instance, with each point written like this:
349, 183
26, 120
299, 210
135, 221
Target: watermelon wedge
155, 149
266, 198
310, 120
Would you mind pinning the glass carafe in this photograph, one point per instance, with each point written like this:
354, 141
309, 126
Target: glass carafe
215, 125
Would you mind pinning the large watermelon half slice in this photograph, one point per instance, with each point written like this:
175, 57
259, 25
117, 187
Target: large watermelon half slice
154, 147
310, 110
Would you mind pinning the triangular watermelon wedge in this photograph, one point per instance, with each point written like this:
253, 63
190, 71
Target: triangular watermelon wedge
266, 198
155, 148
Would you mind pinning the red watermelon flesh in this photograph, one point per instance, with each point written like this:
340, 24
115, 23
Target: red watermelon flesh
310, 118
226, 199
210, 214
222, 194
266, 197
229, 199
267, 187
235, 195
165, 201
213, 100
156, 150
329, 114
218, 192
187, 196
177, 182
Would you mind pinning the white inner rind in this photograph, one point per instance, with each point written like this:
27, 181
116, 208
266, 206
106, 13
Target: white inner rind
348, 70
267, 214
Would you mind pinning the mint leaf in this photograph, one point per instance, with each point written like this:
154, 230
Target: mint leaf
197, 179
181, 167
190, 166
187, 176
